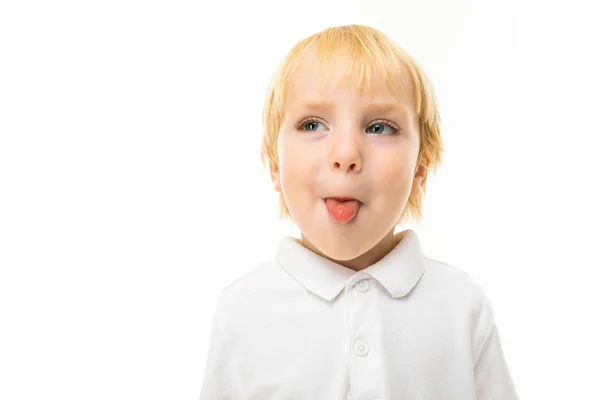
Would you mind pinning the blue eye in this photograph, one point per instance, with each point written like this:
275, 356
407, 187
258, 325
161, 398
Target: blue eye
311, 123
383, 126
383, 123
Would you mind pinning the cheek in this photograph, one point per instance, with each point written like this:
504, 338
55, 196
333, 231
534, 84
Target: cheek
298, 157
296, 170
393, 178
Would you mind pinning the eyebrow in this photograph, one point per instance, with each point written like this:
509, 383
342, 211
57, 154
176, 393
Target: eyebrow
376, 106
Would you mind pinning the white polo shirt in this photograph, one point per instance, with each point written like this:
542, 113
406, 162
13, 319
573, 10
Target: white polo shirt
406, 328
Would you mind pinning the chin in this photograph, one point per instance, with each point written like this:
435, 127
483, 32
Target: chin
338, 246
343, 255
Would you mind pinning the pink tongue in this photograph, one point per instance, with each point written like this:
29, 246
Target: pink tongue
342, 211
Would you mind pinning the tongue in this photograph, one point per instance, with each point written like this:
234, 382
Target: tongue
342, 211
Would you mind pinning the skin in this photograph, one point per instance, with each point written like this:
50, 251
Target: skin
345, 152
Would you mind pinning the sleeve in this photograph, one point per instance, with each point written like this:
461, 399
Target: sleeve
492, 376
218, 383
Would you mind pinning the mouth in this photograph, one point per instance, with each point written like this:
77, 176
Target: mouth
342, 209
341, 198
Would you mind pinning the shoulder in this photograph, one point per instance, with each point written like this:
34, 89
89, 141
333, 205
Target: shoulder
464, 296
254, 288
244, 304
455, 283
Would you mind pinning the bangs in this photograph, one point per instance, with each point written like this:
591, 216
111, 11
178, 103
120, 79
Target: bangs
361, 60
359, 69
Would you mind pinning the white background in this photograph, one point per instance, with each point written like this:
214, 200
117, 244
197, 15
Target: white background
131, 190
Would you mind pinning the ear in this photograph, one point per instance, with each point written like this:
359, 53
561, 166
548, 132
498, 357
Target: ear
419, 180
275, 176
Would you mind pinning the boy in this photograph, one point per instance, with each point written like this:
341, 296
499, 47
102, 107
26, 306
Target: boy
352, 310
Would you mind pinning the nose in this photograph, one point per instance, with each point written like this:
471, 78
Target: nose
345, 154
342, 166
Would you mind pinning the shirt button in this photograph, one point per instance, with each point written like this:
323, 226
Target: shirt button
363, 285
361, 347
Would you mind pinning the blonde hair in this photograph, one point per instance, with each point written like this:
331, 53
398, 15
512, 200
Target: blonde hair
368, 52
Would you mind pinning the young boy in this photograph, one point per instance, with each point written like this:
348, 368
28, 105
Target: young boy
352, 310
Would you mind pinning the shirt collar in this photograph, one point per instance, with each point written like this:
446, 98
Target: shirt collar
398, 271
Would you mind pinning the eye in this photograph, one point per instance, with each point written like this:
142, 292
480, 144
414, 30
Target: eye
312, 122
395, 130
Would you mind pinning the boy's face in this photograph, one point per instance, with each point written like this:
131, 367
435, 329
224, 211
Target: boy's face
346, 150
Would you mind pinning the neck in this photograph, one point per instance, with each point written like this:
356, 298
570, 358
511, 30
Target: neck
376, 253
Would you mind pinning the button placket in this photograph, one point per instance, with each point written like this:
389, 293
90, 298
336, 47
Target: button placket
364, 365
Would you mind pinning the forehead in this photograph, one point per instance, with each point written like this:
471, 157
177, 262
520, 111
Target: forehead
318, 79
